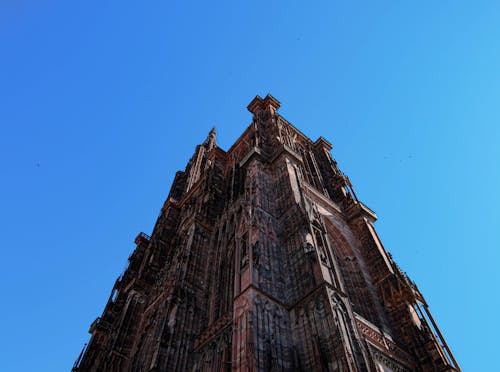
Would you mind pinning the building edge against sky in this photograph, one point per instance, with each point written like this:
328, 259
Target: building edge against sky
263, 258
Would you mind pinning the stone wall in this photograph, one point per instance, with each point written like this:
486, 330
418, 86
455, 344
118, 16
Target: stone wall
263, 259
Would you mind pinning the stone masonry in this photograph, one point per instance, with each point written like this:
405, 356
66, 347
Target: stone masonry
264, 259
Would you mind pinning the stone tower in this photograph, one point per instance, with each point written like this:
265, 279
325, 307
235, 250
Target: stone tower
264, 259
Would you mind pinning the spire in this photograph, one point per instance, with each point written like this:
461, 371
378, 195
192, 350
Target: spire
211, 142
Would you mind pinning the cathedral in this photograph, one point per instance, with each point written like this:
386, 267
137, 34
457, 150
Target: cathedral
264, 259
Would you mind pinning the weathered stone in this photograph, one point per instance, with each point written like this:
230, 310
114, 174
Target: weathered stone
263, 259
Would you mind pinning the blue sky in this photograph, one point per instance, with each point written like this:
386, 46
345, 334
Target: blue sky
102, 101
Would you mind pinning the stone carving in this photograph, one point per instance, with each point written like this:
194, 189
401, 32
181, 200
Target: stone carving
263, 259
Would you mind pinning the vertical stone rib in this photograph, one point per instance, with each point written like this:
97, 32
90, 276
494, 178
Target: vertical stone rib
263, 259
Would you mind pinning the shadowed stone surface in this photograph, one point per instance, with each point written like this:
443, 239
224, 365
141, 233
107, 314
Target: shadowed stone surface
263, 259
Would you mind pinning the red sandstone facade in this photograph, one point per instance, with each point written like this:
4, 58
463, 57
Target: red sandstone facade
263, 259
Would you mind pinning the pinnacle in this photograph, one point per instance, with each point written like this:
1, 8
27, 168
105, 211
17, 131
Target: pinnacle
259, 103
211, 141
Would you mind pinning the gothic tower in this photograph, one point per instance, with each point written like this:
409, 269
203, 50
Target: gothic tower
264, 259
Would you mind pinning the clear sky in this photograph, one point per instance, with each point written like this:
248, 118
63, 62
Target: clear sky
102, 101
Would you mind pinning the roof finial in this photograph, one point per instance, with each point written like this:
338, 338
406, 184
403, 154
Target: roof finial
211, 142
